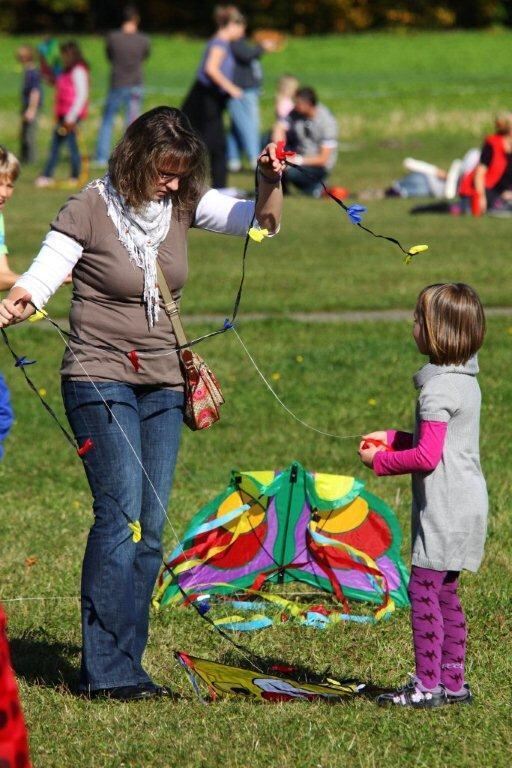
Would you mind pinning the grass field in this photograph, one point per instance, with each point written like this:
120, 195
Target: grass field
428, 94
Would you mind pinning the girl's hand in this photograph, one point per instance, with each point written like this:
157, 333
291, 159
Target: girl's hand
13, 311
268, 165
367, 454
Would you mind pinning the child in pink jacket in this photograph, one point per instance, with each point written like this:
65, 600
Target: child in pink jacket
71, 104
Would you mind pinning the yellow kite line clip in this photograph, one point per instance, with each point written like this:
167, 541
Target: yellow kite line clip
39, 314
257, 234
413, 251
137, 531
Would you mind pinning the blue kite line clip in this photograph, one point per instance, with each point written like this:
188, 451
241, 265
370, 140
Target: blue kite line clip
228, 325
203, 607
355, 213
22, 361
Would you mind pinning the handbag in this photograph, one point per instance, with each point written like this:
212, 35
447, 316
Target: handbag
203, 395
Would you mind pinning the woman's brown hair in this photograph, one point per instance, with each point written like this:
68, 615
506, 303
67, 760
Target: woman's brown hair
159, 140
227, 14
452, 322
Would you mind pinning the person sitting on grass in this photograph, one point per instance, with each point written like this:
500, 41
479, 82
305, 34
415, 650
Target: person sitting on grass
489, 186
9, 172
449, 510
311, 131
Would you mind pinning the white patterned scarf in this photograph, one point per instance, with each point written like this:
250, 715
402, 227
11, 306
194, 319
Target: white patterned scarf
141, 232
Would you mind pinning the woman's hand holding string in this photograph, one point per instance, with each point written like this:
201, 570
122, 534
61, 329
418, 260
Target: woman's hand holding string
269, 202
15, 307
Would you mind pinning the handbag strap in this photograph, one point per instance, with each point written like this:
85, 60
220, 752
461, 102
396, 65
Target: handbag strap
171, 308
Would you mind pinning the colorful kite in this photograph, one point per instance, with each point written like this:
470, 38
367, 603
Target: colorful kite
223, 680
325, 531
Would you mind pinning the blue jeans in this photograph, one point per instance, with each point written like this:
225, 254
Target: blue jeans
413, 185
55, 147
118, 575
308, 183
128, 98
244, 135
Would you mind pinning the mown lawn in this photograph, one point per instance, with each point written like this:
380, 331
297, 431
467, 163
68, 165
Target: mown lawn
343, 378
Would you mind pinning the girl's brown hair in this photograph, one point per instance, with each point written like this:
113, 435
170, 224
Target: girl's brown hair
73, 53
452, 322
161, 140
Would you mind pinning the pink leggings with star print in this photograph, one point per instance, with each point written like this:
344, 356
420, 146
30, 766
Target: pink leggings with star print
438, 627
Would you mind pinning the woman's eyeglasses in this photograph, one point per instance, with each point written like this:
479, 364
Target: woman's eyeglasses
165, 176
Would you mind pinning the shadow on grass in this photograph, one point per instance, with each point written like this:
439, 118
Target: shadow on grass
40, 659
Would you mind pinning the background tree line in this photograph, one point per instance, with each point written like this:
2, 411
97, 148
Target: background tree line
296, 16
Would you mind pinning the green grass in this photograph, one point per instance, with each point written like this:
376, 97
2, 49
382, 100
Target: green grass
352, 378
47, 502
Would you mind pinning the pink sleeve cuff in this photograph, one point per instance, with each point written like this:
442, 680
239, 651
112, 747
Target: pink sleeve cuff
424, 457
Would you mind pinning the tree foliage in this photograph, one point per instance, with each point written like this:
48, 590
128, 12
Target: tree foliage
296, 16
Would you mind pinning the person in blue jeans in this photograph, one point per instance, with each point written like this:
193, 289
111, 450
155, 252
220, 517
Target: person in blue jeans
71, 107
126, 48
244, 134
124, 399
130, 477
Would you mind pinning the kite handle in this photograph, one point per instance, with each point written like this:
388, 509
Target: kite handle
368, 441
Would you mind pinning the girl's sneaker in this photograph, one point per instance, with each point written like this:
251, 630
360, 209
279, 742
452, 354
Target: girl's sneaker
411, 695
464, 696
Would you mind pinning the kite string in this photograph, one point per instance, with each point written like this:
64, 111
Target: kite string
38, 598
282, 404
347, 209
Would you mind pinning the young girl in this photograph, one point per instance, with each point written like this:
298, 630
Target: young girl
71, 103
286, 88
449, 509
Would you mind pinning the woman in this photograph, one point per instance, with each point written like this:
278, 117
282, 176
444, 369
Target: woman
214, 84
71, 104
111, 234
